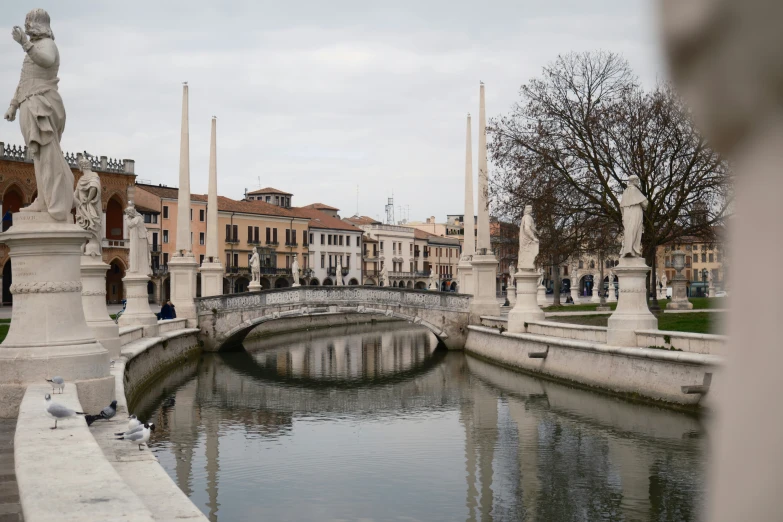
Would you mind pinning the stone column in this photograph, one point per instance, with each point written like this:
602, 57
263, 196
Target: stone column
632, 312
211, 268
541, 295
511, 291
485, 265
106, 331
575, 287
183, 265
526, 308
48, 334
679, 285
464, 268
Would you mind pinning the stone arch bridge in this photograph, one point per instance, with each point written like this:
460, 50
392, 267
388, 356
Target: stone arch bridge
227, 319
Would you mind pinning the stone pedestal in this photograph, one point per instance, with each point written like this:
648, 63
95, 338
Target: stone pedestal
511, 294
182, 270
484, 300
48, 334
711, 290
541, 296
137, 307
679, 299
575, 293
295, 285
632, 312
254, 286
612, 297
105, 330
211, 279
465, 277
527, 308
598, 286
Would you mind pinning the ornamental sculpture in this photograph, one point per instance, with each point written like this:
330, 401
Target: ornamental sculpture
139, 247
255, 266
633, 205
87, 201
42, 115
528, 241
295, 271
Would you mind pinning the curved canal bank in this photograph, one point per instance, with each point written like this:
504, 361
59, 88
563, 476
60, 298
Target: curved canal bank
377, 422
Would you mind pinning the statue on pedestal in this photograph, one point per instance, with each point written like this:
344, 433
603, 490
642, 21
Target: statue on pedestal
384, 280
338, 274
42, 115
140, 259
511, 272
255, 266
432, 285
87, 200
528, 241
295, 271
633, 204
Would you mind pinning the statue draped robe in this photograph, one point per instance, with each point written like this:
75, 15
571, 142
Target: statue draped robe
632, 204
528, 244
42, 120
88, 210
139, 247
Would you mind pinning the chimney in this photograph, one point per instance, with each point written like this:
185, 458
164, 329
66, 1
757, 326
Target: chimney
104, 163
130, 166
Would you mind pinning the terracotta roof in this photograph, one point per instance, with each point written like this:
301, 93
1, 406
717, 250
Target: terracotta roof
145, 209
361, 220
226, 204
320, 219
366, 238
270, 190
321, 206
421, 234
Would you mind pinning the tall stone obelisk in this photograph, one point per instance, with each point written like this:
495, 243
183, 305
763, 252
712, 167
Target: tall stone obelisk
183, 265
484, 263
211, 268
464, 268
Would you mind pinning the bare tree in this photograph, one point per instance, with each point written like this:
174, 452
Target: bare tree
588, 123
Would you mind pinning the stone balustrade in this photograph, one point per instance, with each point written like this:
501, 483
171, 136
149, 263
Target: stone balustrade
99, 163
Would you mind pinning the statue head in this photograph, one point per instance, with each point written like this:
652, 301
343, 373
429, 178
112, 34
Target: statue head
634, 180
36, 25
528, 210
725, 59
85, 165
255, 250
130, 211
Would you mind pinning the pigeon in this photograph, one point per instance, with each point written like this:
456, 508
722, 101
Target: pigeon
135, 430
106, 413
139, 437
58, 412
133, 422
57, 382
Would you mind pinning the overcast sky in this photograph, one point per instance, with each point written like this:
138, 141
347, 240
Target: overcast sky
312, 97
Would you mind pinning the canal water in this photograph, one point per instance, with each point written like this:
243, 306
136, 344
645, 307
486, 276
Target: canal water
379, 423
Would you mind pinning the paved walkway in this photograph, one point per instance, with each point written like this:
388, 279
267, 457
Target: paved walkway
10, 510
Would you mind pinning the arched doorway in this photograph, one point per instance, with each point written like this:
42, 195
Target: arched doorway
369, 282
409, 284
240, 285
265, 284
114, 275
327, 282
226, 286
8, 297
353, 282
586, 285
443, 286
282, 282
12, 202
114, 219
421, 285
453, 286
313, 282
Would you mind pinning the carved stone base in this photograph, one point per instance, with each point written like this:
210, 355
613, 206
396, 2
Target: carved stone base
137, 307
48, 334
575, 293
632, 312
679, 295
612, 297
211, 279
541, 296
465, 277
183, 270
484, 300
107, 332
511, 294
598, 287
254, 286
527, 308
295, 285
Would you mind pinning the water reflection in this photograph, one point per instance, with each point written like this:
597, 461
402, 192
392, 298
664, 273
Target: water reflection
376, 423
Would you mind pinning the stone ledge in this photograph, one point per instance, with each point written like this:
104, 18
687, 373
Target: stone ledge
67, 467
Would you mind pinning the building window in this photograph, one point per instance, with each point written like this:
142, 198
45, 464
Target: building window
235, 230
201, 215
347, 240
201, 238
287, 237
268, 235
191, 214
293, 237
329, 239
255, 235
703, 258
719, 257
165, 236
274, 235
228, 259
322, 239
165, 212
323, 261
381, 246
311, 238
268, 199
165, 259
348, 261
249, 234
201, 259
712, 258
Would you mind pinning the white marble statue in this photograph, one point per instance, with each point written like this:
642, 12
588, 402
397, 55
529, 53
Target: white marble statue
528, 241
664, 281
87, 200
433, 285
338, 274
295, 271
140, 260
255, 266
384, 279
42, 115
540, 277
511, 271
633, 203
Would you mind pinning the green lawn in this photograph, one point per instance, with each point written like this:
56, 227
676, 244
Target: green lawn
4, 330
699, 303
704, 322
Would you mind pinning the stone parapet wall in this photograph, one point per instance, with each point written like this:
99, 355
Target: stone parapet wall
684, 341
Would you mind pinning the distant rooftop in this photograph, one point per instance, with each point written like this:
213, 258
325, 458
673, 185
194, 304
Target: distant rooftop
269, 190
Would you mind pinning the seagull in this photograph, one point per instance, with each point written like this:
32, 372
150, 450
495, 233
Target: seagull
133, 422
139, 437
58, 412
137, 429
106, 413
57, 382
